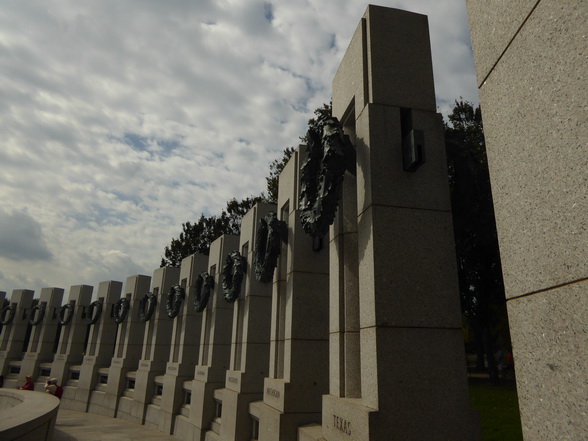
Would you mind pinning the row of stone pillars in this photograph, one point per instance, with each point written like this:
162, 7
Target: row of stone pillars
359, 340
237, 371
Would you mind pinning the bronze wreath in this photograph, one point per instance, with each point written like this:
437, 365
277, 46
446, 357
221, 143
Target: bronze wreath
204, 286
233, 270
120, 310
270, 232
94, 312
147, 307
11, 310
66, 313
34, 321
174, 300
330, 153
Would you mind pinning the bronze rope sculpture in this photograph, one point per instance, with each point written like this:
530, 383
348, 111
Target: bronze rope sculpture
66, 313
11, 311
120, 310
330, 153
147, 307
94, 312
175, 297
204, 287
37, 317
270, 233
233, 271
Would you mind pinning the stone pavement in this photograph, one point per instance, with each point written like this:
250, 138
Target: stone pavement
80, 426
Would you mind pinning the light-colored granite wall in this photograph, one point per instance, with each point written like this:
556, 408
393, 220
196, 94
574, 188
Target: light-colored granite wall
531, 64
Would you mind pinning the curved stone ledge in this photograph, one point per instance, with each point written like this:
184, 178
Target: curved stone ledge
27, 415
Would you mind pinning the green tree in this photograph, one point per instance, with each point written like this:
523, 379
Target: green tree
197, 237
325, 110
276, 168
476, 240
278, 165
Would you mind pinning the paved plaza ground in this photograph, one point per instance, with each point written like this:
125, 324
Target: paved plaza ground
80, 426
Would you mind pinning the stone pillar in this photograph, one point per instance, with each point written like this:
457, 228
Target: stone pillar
185, 345
155, 350
13, 340
100, 344
44, 335
250, 338
215, 344
2, 298
395, 313
127, 351
298, 370
73, 338
531, 65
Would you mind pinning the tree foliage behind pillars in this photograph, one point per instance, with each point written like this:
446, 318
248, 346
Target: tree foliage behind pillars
196, 237
476, 240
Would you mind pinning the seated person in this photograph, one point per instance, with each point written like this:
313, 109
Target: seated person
51, 386
29, 384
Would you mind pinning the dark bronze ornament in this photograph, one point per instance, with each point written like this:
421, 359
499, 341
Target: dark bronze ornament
147, 307
270, 232
94, 312
175, 297
66, 313
330, 153
233, 271
9, 310
204, 287
37, 317
120, 310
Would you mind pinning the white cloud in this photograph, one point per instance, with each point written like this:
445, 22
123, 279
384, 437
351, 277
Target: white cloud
121, 120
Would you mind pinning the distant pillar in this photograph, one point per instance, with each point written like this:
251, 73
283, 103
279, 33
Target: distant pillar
156, 347
100, 342
74, 333
298, 370
44, 334
251, 338
184, 349
2, 298
215, 344
127, 349
14, 335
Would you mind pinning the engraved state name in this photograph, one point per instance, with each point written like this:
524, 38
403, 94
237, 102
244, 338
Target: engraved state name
272, 392
342, 424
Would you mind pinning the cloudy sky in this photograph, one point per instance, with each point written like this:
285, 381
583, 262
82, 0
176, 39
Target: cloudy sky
121, 119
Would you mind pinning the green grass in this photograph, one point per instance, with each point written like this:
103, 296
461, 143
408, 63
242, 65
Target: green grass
499, 410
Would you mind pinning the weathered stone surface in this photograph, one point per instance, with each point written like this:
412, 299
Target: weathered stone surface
535, 113
535, 104
500, 22
550, 343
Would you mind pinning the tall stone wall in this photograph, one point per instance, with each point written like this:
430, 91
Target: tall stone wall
531, 64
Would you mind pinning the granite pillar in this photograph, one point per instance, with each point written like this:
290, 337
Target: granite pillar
73, 338
127, 352
250, 338
395, 313
530, 60
155, 351
13, 340
298, 370
44, 335
185, 345
215, 345
100, 345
